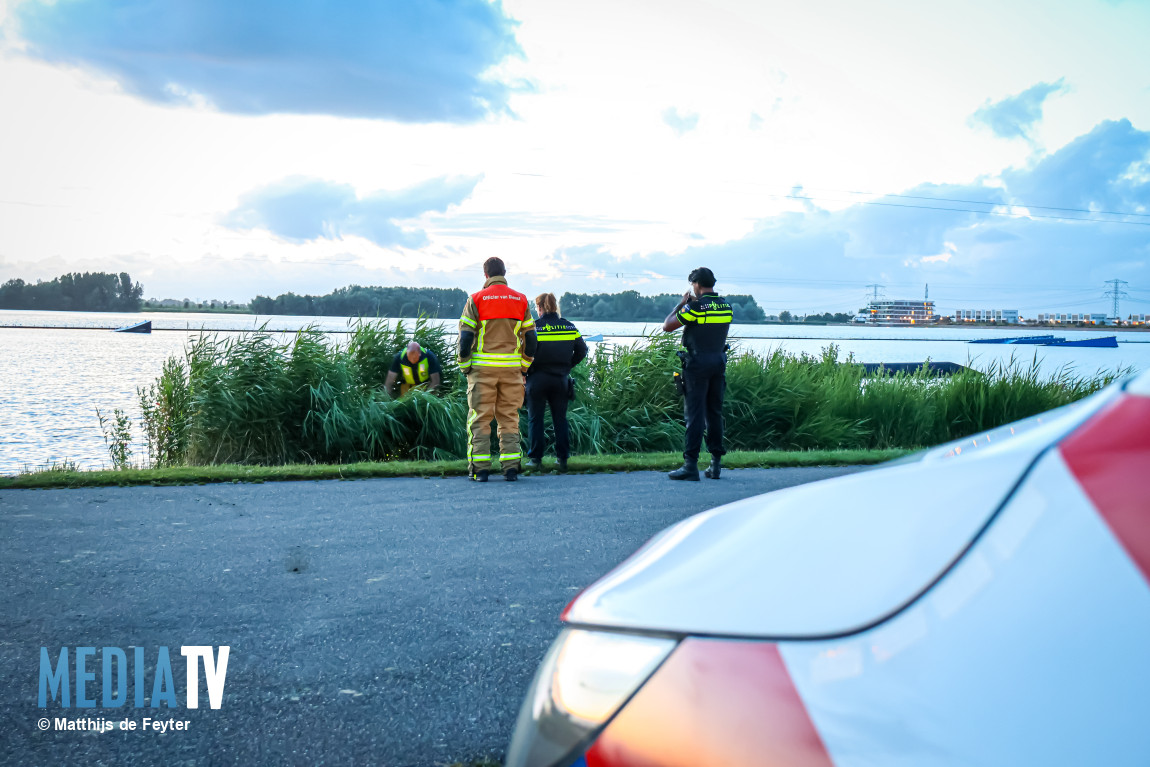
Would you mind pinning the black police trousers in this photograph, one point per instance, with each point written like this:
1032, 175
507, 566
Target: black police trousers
545, 389
703, 405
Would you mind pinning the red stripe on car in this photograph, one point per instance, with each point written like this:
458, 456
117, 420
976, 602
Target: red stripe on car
1109, 455
715, 702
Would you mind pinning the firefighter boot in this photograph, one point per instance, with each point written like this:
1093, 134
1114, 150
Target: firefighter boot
688, 471
510, 475
713, 470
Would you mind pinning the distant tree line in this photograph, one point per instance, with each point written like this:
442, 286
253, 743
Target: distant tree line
87, 292
360, 301
829, 317
629, 306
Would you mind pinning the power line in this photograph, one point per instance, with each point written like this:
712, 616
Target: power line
985, 202
965, 210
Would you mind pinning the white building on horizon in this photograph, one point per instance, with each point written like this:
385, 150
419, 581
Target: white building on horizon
1008, 316
899, 312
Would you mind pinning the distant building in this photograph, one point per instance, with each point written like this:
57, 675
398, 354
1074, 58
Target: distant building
899, 312
1064, 318
1008, 316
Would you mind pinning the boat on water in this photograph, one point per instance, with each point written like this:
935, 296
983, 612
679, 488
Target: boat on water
932, 369
1105, 342
1041, 340
139, 327
1102, 342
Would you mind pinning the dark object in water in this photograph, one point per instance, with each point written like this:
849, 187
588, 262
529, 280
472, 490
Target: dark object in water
934, 369
1104, 342
139, 327
1041, 340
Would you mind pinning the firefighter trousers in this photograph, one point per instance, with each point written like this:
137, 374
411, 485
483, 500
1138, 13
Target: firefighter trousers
494, 392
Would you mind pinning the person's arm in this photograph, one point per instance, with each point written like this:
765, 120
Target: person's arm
579, 353
434, 368
392, 375
530, 339
680, 316
468, 326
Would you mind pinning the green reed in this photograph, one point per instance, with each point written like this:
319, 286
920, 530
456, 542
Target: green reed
256, 399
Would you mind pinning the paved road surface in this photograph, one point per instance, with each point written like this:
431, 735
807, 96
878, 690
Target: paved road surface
391, 622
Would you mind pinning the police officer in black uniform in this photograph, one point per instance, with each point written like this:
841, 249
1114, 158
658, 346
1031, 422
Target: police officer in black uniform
705, 319
560, 348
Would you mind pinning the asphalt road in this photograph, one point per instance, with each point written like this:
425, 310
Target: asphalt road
390, 622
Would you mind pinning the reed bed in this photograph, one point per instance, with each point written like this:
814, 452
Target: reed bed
257, 400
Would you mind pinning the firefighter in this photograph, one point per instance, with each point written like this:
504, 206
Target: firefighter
417, 365
496, 346
705, 319
549, 380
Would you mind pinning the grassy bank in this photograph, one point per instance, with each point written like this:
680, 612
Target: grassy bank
254, 400
194, 475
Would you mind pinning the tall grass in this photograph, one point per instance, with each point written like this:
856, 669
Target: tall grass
255, 399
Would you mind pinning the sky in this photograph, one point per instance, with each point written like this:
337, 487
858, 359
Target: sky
998, 153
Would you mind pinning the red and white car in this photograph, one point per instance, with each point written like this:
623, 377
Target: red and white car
984, 603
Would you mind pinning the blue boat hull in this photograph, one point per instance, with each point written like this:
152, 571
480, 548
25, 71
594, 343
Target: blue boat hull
1018, 340
1105, 342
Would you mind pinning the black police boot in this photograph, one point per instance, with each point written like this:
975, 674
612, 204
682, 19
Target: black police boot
481, 475
688, 471
534, 464
511, 475
713, 470
561, 464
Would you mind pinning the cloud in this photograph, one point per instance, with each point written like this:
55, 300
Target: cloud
300, 209
411, 62
680, 122
1014, 116
1105, 169
809, 260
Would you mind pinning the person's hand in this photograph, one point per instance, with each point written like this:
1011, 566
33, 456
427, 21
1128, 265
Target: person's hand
686, 299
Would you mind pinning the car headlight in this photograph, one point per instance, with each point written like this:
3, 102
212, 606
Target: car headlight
584, 679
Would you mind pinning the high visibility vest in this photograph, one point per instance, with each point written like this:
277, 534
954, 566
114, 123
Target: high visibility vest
415, 374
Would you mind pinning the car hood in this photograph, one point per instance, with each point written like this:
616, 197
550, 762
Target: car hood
829, 558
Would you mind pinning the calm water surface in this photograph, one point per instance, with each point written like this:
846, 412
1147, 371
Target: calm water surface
52, 377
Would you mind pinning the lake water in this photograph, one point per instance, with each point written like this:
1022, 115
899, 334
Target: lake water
53, 376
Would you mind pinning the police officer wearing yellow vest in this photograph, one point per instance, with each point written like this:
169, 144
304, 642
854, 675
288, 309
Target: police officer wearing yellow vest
561, 348
705, 319
496, 347
417, 366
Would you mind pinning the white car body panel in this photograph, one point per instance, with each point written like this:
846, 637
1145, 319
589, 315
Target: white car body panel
1046, 608
829, 558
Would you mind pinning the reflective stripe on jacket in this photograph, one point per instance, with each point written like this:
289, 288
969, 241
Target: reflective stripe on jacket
561, 347
501, 319
417, 374
706, 320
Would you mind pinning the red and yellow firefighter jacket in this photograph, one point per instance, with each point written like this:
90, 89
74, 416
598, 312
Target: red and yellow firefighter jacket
499, 320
